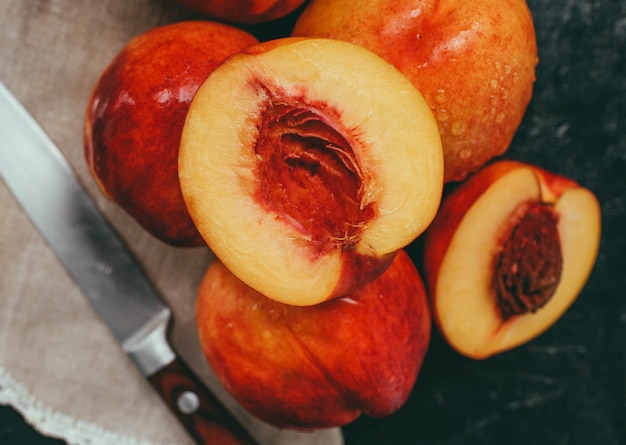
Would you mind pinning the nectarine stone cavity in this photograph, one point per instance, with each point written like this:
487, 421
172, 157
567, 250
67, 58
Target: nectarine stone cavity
528, 268
306, 176
309, 176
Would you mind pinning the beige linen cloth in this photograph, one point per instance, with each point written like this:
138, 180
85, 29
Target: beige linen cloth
59, 365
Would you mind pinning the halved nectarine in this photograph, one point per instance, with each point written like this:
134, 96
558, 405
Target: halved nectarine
508, 253
306, 164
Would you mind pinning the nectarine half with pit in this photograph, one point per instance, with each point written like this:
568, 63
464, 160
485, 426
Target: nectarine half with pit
135, 117
318, 366
306, 164
509, 251
473, 60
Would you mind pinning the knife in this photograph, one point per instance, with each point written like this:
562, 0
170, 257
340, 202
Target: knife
96, 257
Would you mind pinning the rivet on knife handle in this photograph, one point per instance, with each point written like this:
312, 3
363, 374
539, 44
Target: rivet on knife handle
197, 409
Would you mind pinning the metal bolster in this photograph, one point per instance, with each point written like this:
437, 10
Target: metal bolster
149, 348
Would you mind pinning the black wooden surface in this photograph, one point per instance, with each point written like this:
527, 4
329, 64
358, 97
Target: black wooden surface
567, 387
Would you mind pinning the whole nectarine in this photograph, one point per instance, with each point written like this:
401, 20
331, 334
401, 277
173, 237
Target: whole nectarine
243, 11
135, 116
317, 366
473, 60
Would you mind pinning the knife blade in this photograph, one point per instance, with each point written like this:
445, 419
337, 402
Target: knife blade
96, 257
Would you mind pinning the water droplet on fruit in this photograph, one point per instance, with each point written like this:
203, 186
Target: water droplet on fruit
273, 315
163, 96
500, 118
440, 97
465, 153
507, 69
458, 128
296, 327
493, 83
442, 115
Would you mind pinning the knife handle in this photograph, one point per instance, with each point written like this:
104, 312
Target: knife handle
199, 411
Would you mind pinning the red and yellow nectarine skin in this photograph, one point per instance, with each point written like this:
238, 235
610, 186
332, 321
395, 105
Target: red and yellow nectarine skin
474, 62
306, 176
135, 117
509, 251
243, 11
317, 366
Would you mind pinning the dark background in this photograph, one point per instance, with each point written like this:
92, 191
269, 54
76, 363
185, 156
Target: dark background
567, 387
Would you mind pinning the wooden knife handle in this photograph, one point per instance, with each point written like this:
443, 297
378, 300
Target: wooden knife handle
199, 411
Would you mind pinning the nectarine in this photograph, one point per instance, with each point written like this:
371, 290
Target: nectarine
317, 366
243, 11
135, 116
304, 175
508, 253
473, 60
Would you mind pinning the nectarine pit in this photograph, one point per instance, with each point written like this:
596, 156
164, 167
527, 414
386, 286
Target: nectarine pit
309, 176
528, 267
